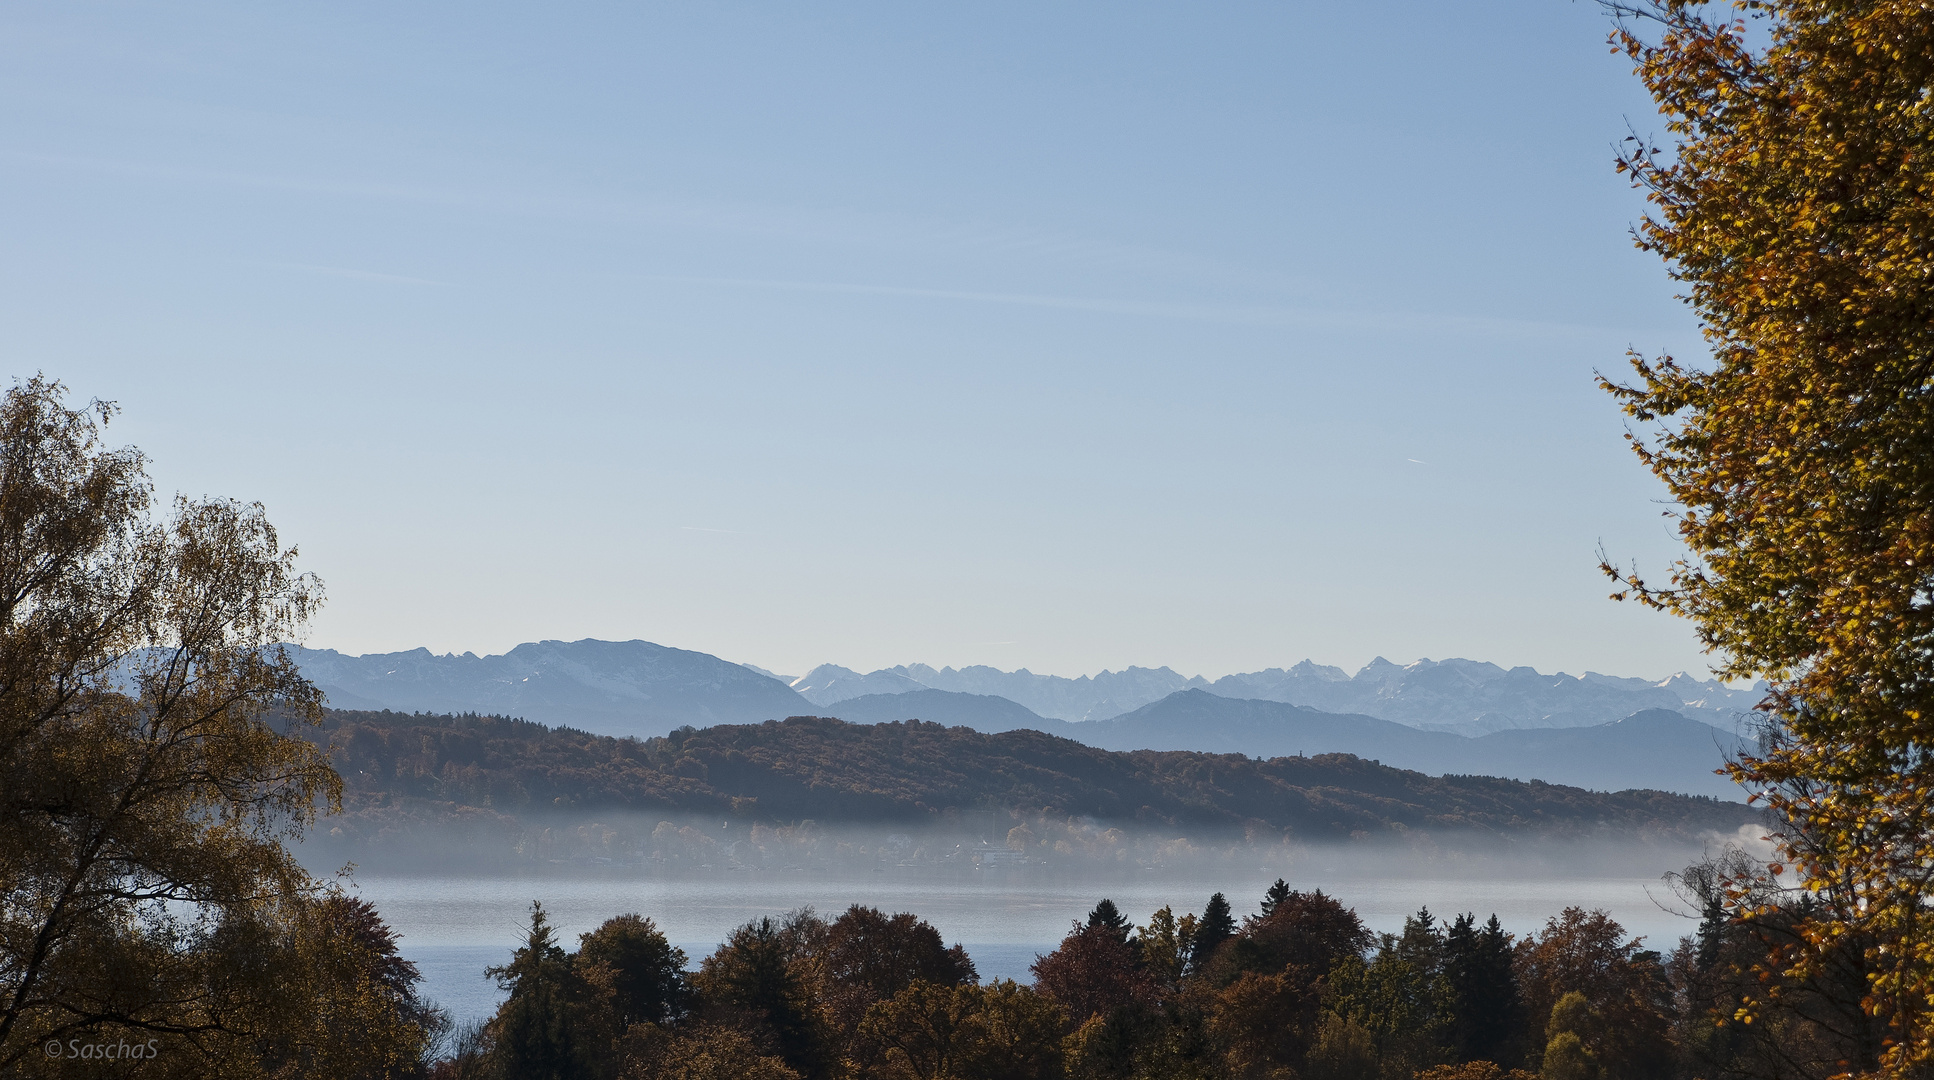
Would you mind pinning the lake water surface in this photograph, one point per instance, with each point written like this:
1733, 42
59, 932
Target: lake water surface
454, 927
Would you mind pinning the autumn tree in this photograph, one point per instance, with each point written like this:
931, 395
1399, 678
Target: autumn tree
757, 974
1574, 1037
147, 780
868, 955
1740, 1010
1621, 1026
699, 1052
1310, 931
922, 1030
1166, 943
1263, 1024
1093, 973
1342, 1050
344, 999
647, 974
1793, 202
1016, 1034
1001, 1031
1474, 1070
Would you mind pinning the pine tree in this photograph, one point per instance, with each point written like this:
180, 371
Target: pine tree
1486, 1009
1422, 943
1217, 925
534, 1034
1713, 919
1277, 893
1106, 916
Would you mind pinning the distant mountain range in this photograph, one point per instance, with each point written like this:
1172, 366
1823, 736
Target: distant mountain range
1452, 716
1465, 696
610, 687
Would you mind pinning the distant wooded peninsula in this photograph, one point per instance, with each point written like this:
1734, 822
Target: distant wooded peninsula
514, 791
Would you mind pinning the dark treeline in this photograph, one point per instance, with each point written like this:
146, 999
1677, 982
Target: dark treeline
1297, 988
401, 770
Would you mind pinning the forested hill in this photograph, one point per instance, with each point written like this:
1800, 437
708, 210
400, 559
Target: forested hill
912, 773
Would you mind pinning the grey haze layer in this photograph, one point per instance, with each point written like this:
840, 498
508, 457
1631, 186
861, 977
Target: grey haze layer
1464, 696
1454, 716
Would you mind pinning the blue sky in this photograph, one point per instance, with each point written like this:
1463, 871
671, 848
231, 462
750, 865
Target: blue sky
1064, 337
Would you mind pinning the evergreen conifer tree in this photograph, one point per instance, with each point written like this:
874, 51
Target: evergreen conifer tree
534, 1034
1218, 925
1713, 918
1422, 943
1486, 1010
1106, 916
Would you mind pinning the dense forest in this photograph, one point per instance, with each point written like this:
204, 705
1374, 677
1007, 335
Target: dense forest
1296, 988
492, 784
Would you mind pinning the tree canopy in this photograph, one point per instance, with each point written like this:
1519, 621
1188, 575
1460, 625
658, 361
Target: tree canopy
146, 898
1794, 200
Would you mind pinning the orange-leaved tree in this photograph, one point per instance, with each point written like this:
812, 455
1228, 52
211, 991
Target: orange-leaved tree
1794, 201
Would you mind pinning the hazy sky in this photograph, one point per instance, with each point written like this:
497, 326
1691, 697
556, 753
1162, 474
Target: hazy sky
1057, 336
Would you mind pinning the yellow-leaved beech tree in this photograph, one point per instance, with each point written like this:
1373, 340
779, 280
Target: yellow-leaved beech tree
150, 914
1794, 201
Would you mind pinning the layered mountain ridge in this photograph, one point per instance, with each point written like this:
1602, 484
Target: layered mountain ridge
611, 687
1468, 697
1452, 716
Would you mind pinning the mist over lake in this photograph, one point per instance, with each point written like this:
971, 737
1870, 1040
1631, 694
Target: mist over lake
1001, 840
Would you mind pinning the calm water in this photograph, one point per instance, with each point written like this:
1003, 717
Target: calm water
453, 928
